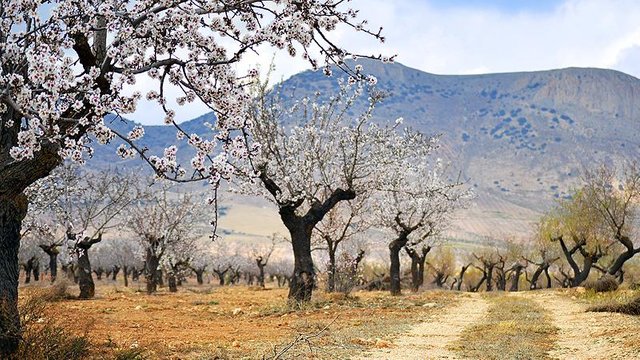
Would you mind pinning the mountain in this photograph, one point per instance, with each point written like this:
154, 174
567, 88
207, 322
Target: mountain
520, 138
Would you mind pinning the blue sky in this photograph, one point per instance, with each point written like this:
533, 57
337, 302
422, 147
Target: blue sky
474, 36
503, 5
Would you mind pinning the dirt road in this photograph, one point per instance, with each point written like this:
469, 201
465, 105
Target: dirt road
432, 338
581, 335
588, 335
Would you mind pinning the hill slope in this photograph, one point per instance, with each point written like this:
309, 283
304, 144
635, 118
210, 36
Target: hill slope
521, 138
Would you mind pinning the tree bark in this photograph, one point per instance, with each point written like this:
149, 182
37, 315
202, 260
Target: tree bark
36, 270
199, 276
85, 278
27, 270
114, 274
12, 212
489, 277
151, 271
125, 273
394, 268
331, 276
52, 251
462, 271
302, 281
261, 264
417, 266
546, 273
300, 228
171, 280
220, 274
515, 281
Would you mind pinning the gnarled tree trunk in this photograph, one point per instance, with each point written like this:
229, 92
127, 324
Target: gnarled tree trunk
125, 273
394, 267
417, 266
13, 209
85, 279
151, 264
303, 279
515, 280
52, 251
461, 277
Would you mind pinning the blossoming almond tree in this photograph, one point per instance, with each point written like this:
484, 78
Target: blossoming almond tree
342, 224
416, 203
66, 64
316, 155
162, 224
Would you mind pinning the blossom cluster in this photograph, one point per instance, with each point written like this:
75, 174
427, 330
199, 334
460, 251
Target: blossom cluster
69, 63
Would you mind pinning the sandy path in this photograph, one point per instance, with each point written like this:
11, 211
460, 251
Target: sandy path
430, 339
585, 335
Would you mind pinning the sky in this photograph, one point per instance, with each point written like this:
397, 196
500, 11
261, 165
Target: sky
474, 36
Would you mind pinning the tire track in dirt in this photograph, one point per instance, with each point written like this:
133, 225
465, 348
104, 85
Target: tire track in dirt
432, 338
587, 335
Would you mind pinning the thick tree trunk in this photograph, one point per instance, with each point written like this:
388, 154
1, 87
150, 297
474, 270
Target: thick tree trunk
151, 271
171, 280
440, 279
394, 268
421, 271
415, 272
515, 281
501, 282
98, 273
85, 280
489, 278
12, 212
125, 273
260, 275
302, 281
36, 270
135, 274
52, 252
159, 277
27, 272
220, 274
533, 283
114, 274
199, 276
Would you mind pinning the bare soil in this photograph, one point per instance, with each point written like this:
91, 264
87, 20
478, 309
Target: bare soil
589, 335
239, 322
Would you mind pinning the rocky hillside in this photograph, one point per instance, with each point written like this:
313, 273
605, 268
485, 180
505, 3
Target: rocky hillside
521, 138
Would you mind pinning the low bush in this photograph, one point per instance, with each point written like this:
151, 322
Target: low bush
629, 308
45, 339
605, 284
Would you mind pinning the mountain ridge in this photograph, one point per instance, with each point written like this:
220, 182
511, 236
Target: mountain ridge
522, 138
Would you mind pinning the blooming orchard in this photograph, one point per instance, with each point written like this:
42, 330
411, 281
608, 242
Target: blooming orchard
68, 63
316, 154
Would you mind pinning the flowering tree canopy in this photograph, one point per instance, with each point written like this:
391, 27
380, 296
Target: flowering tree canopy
66, 64
316, 154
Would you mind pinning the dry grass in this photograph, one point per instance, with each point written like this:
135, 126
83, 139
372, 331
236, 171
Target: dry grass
235, 322
514, 328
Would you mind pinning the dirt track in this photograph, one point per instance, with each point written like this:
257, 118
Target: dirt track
581, 335
588, 335
432, 338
